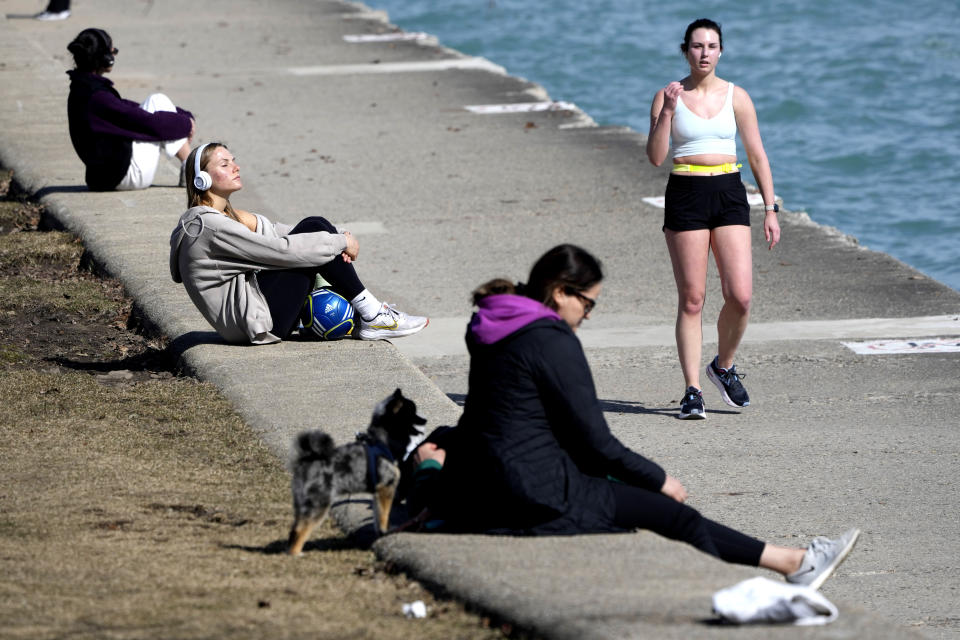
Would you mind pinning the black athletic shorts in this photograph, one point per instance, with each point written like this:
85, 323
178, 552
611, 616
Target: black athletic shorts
705, 202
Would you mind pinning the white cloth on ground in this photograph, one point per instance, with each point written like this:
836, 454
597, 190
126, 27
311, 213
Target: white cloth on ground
763, 600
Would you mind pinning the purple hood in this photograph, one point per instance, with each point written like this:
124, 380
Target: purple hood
500, 315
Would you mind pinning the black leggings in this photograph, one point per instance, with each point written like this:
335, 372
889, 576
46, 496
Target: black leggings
643, 509
285, 290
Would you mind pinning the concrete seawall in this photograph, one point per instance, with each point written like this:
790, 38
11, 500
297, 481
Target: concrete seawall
376, 136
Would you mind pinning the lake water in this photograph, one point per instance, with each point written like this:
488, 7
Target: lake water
859, 103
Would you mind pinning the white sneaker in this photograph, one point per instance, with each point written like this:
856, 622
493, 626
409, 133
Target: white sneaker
52, 15
822, 558
390, 323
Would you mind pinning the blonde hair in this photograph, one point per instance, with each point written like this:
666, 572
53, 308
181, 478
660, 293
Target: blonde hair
195, 197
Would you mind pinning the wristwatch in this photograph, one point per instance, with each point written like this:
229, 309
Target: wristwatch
772, 207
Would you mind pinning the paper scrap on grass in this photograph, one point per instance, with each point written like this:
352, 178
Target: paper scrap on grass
890, 347
753, 199
520, 107
399, 36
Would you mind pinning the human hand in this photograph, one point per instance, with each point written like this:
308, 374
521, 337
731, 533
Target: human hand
193, 129
670, 94
353, 248
771, 229
429, 451
673, 489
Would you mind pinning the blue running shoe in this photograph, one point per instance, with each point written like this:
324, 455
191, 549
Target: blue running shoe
728, 381
691, 407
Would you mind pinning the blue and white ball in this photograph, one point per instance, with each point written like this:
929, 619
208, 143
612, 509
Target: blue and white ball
327, 315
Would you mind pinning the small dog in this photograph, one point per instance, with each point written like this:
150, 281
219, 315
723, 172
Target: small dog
322, 472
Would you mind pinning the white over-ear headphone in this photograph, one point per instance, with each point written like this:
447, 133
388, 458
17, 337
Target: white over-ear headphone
201, 179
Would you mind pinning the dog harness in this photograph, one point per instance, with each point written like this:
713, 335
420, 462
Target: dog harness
374, 449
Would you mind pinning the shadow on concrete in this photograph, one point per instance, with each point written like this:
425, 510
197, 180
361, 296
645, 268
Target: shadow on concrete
191, 339
65, 188
630, 406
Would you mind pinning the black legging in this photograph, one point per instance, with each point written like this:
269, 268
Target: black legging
643, 509
285, 290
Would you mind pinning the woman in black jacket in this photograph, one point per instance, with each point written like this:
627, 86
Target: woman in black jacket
119, 140
532, 453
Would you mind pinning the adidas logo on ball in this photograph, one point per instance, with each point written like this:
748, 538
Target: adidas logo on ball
326, 315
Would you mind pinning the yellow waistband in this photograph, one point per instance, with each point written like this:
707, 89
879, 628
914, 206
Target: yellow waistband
728, 167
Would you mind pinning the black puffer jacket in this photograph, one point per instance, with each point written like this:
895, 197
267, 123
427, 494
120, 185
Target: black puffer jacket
532, 452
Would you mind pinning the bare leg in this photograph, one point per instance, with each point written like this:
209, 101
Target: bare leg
689, 251
784, 560
731, 250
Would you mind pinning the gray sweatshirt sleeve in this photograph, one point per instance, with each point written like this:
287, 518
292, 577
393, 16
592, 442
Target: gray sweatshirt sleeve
232, 240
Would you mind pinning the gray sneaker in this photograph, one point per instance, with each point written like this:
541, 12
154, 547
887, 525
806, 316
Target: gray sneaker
822, 558
390, 323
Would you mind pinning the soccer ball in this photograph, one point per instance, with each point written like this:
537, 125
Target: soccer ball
327, 315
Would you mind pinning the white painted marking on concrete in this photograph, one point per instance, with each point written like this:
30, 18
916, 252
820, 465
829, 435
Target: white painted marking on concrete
444, 336
363, 228
468, 63
521, 107
398, 36
655, 201
753, 199
918, 345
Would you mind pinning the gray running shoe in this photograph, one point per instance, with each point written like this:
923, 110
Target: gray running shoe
728, 381
822, 558
691, 407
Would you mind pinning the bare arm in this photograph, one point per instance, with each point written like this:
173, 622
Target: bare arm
749, 129
661, 118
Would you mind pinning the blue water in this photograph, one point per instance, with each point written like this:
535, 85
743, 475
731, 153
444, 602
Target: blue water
859, 103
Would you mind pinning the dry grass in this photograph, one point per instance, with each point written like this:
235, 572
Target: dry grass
150, 510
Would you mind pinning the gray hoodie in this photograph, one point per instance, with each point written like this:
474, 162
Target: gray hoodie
217, 260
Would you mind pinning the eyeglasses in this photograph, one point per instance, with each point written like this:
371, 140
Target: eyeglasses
588, 302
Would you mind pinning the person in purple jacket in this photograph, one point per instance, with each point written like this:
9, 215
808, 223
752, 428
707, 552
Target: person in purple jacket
119, 140
532, 453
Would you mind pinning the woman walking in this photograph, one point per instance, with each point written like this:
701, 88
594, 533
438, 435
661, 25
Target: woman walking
706, 208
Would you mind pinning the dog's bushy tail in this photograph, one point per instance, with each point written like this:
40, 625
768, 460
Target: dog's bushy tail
312, 445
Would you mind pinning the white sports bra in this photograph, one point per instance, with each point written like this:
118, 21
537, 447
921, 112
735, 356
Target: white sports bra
692, 135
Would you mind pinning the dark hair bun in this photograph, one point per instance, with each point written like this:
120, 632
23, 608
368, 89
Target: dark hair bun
91, 50
497, 286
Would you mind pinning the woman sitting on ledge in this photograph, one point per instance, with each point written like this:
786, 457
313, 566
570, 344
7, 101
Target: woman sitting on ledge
532, 454
119, 140
249, 276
